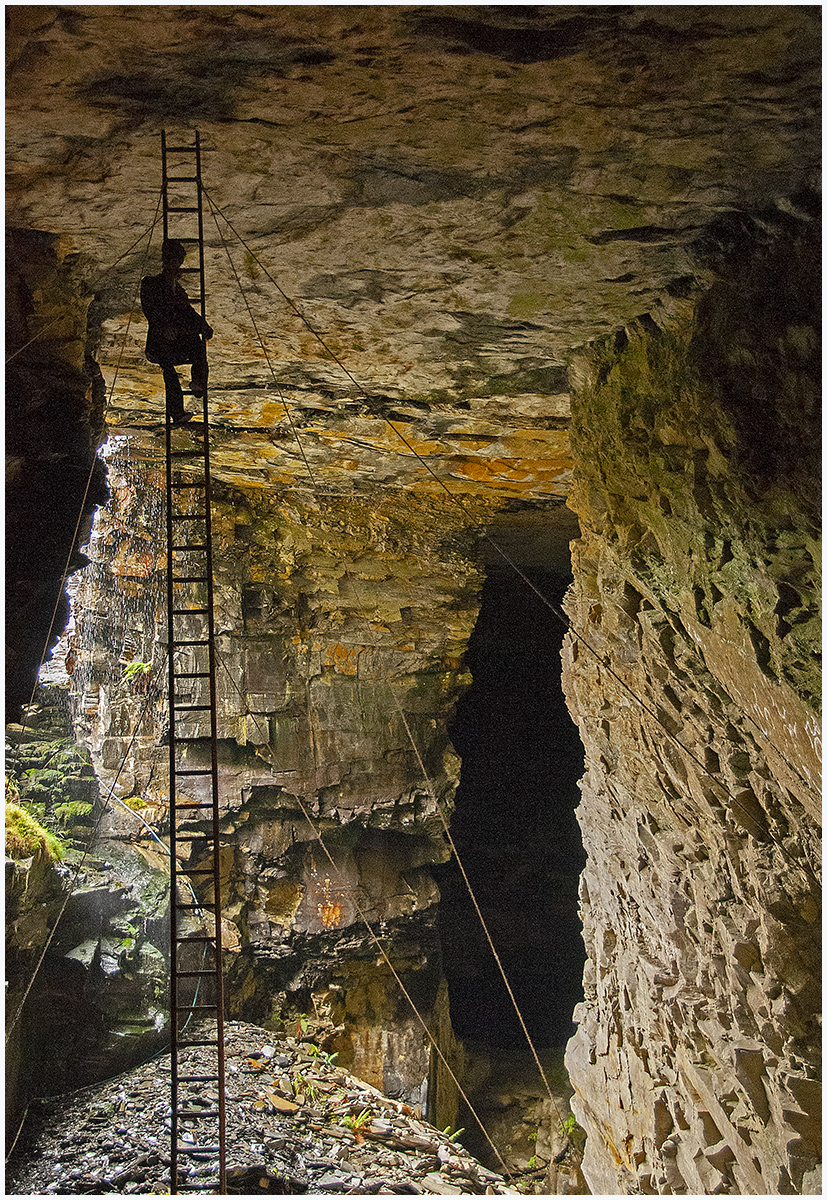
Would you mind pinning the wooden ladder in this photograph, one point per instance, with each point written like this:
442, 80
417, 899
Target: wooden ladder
198, 1134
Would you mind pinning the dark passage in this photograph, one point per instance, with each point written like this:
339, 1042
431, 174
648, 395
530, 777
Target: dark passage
514, 826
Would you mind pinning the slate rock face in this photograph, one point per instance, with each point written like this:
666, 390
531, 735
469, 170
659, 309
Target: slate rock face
691, 682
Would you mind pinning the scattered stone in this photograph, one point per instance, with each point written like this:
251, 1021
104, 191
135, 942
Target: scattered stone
275, 1145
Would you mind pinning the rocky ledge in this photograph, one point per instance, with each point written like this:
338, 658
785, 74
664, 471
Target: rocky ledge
296, 1124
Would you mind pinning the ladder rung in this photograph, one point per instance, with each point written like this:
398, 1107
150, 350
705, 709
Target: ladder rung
190, 1113
189, 270
181, 149
199, 1042
191, 707
198, 642
188, 486
186, 453
196, 937
194, 837
195, 870
187, 239
182, 178
189, 578
194, 975
193, 771
198, 1078
188, 612
188, 517
181, 207
195, 737
190, 546
197, 908
196, 1150
192, 674
196, 1008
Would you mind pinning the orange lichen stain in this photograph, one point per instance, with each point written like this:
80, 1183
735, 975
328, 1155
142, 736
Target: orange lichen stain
344, 659
270, 414
513, 469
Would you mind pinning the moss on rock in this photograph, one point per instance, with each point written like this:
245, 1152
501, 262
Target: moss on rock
26, 837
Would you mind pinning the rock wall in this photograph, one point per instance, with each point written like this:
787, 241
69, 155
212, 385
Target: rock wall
54, 421
97, 1002
693, 679
340, 628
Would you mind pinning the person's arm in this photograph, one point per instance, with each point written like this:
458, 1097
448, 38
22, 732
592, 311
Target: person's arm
184, 301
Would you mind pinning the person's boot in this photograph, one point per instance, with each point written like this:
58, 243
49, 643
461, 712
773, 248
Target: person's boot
180, 418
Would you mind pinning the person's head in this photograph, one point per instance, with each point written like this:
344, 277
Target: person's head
172, 254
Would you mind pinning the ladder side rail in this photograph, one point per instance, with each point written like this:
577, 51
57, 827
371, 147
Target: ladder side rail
164, 183
201, 274
173, 821
208, 571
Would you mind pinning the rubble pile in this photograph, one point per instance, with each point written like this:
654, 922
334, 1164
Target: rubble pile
296, 1124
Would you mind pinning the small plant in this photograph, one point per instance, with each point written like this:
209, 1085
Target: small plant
132, 670
452, 1137
569, 1125
316, 1052
532, 1163
532, 1137
357, 1124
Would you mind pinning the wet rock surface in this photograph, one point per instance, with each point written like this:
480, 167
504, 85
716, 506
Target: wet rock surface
296, 1123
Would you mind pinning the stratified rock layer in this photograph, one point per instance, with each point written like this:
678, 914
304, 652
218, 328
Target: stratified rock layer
691, 676
340, 631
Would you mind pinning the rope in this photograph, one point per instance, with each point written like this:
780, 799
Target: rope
104, 808
151, 694
485, 536
284, 403
94, 459
149, 230
482, 920
403, 989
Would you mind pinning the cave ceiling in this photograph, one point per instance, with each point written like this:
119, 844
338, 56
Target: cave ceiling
455, 197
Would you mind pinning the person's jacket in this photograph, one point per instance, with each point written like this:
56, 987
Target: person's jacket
174, 325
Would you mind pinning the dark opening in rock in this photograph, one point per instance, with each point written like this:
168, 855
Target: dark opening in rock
514, 823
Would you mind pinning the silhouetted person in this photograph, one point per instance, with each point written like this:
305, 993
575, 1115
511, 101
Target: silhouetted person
177, 333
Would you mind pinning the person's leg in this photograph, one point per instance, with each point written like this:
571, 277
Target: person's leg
175, 394
200, 370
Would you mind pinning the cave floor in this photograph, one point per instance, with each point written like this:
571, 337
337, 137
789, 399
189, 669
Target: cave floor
285, 1133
